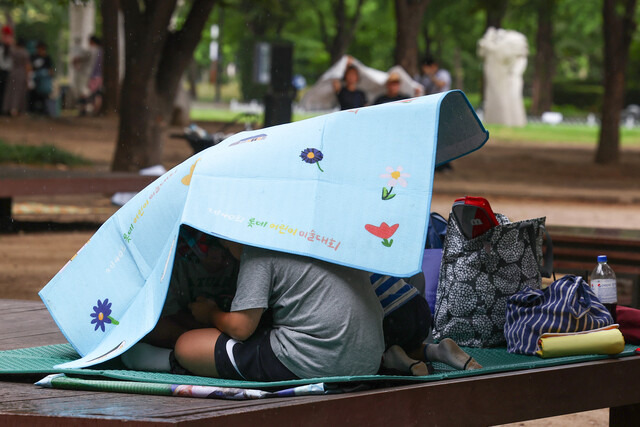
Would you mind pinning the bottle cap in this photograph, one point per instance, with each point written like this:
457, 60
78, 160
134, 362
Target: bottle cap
602, 258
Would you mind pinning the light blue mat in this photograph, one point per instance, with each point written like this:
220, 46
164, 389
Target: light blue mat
352, 188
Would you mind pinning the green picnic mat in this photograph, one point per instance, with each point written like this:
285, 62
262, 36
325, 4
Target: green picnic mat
40, 360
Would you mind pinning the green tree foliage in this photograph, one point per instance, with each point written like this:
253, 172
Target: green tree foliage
450, 32
579, 42
452, 40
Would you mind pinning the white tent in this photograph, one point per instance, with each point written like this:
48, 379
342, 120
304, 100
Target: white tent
321, 95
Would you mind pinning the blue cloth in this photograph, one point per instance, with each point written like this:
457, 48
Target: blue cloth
567, 305
431, 268
352, 188
393, 292
436, 231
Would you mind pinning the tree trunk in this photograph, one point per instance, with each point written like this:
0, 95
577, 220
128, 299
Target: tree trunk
458, 69
142, 122
428, 40
409, 15
495, 12
345, 26
155, 60
542, 87
618, 31
111, 70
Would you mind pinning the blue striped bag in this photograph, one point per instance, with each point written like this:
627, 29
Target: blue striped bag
567, 305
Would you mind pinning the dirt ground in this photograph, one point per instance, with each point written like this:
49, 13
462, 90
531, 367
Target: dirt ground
521, 180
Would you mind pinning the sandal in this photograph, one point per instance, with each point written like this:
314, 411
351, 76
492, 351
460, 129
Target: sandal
464, 368
427, 362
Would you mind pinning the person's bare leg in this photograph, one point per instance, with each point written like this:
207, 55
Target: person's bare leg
396, 358
195, 351
446, 351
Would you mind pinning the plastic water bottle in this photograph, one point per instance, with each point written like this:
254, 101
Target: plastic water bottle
603, 284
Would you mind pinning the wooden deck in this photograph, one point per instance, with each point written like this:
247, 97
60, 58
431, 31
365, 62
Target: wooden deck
482, 400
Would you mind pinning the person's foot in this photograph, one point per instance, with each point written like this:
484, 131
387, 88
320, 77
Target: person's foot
447, 351
396, 358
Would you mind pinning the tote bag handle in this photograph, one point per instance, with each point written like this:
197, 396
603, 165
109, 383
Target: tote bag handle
546, 269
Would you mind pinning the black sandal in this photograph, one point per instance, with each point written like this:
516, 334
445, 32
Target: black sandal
427, 362
430, 369
464, 368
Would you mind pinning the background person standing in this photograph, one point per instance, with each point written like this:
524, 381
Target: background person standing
17, 85
42, 78
6, 61
349, 96
393, 90
88, 77
433, 78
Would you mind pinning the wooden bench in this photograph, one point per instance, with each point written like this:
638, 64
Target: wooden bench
473, 401
575, 250
29, 182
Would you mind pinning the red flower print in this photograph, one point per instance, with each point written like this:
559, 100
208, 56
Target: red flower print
384, 231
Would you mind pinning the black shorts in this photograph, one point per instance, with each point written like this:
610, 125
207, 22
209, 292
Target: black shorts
250, 360
409, 325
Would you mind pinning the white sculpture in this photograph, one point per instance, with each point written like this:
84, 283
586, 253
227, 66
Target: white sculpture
505, 59
81, 26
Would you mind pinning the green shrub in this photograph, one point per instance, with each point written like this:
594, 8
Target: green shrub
585, 95
43, 154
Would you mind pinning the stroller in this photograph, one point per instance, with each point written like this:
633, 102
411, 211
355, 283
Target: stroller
199, 139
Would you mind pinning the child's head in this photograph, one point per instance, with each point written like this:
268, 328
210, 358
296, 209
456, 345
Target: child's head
429, 65
41, 48
351, 74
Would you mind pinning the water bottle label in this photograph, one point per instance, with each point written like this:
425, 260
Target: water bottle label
605, 290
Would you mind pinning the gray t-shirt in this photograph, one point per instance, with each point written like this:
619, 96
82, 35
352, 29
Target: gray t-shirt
327, 320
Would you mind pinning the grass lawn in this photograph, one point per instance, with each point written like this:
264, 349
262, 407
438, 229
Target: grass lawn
533, 132
214, 115
566, 134
222, 115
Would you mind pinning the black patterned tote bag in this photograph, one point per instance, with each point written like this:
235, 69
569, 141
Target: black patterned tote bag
477, 277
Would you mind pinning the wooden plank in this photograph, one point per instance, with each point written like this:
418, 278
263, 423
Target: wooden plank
570, 233
623, 416
100, 406
487, 400
594, 241
7, 305
482, 400
27, 324
562, 265
614, 256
